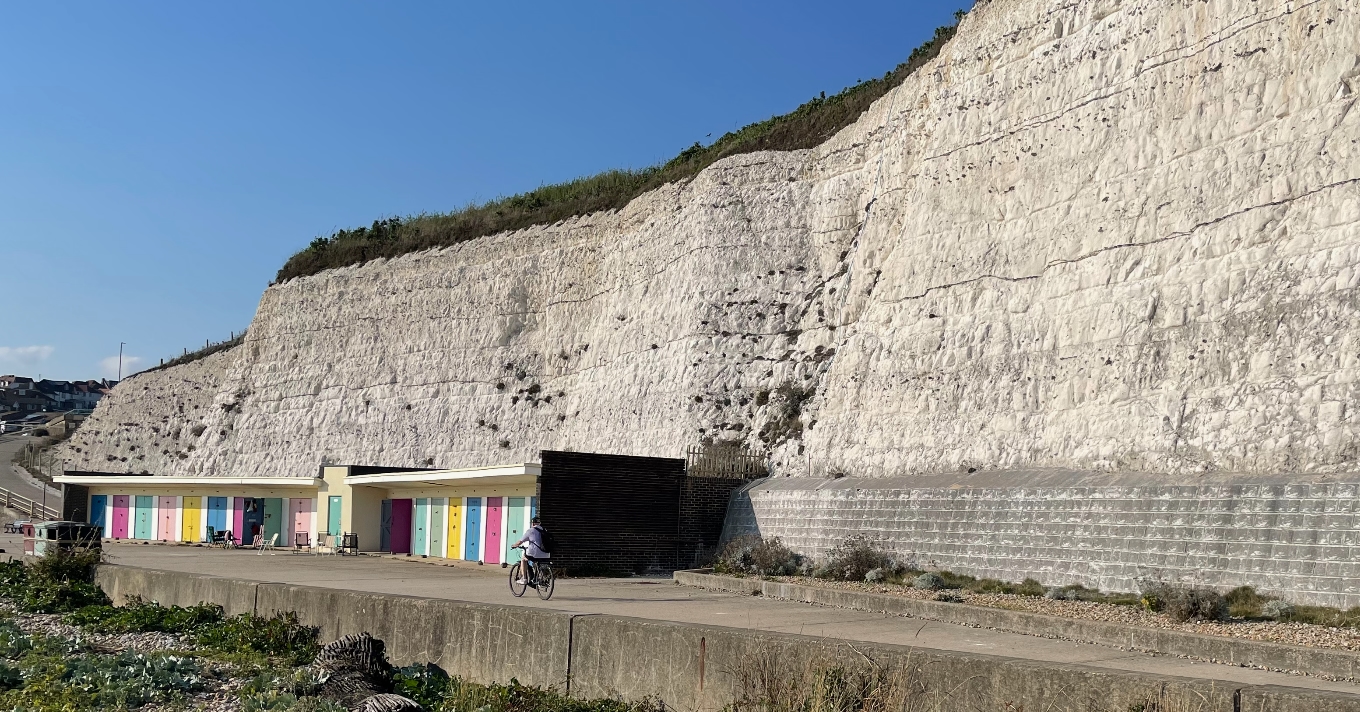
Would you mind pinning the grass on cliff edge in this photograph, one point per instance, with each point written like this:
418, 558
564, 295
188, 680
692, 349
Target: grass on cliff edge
805, 127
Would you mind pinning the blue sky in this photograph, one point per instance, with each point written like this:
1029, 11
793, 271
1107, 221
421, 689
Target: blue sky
159, 161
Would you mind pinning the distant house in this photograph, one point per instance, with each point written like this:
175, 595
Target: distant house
72, 395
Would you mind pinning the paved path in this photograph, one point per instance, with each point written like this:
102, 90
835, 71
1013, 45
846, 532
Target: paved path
12, 479
662, 599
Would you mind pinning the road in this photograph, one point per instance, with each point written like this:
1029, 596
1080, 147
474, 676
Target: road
663, 599
18, 482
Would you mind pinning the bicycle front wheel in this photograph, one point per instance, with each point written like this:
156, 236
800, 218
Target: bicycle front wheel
546, 579
516, 587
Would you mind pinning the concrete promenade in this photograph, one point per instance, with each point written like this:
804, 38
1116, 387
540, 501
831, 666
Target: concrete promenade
663, 600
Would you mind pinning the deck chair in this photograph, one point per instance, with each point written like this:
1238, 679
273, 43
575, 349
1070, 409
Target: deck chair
267, 545
301, 542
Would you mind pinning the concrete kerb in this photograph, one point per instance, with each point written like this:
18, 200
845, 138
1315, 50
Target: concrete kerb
1319, 662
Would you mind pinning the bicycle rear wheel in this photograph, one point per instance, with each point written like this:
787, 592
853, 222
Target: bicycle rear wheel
516, 587
546, 579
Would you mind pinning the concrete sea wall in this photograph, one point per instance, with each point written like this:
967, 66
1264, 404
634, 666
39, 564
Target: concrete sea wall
696, 667
1298, 541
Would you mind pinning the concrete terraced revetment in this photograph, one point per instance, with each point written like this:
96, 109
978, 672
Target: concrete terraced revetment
1114, 239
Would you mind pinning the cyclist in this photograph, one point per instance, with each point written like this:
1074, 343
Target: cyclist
533, 541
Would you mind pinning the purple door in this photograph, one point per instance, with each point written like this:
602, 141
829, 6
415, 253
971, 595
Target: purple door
120, 516
401, 526
492, 553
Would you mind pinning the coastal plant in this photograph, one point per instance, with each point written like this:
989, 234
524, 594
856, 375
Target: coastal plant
1184, 603
757, 556
855, 557
426, 684
60, 581
137, 616
766, 682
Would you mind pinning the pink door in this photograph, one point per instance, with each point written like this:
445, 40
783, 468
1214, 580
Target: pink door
165, 529
120, 516
238, 513
492, 551
302, 520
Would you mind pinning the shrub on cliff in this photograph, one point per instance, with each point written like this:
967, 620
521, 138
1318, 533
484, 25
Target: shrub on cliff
805, 127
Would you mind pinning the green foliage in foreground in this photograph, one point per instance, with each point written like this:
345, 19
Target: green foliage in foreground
805, 127
57, 583
49, 674
243, 636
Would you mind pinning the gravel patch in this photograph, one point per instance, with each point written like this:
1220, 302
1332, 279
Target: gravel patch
1301, 634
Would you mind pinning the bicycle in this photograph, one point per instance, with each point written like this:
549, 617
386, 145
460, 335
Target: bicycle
541, 580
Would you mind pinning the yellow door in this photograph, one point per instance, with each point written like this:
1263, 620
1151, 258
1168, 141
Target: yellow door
455, 541
192, 525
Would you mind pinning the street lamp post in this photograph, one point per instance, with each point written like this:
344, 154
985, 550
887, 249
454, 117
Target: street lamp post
120, 360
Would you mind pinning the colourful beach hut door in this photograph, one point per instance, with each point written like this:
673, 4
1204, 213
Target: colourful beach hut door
120, 516
385, 527
252, 518
165, 509
455, 520
515, 523
421, 540
401, 526
193, 519
143, 511
300, 521
333, 517
273, 521
97, 514
493, 530
472, 551
217, 514
437, 527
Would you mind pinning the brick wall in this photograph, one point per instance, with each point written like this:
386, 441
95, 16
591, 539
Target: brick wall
1300, 541
703, 508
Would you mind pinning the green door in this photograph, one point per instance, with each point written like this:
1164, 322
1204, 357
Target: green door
422, 525
333, 518
436, 527
145, 507
515, 524
273, 521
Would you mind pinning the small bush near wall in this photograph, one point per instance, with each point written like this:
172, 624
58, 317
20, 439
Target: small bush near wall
759, 557
1185, 603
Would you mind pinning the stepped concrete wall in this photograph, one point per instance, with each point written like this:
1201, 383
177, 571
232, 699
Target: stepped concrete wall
1298, 541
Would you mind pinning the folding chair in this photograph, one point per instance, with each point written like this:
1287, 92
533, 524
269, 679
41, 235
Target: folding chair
267, 545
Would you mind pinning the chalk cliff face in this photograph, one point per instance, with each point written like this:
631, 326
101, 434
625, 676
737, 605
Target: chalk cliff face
1093, 234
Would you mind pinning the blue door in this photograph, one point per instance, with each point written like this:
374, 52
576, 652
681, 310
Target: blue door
97, 505
472, 551
217, 513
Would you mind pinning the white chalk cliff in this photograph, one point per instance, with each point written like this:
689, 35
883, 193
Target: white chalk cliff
1092, 234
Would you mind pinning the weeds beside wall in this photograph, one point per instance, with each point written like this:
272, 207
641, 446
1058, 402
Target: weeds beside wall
805, 127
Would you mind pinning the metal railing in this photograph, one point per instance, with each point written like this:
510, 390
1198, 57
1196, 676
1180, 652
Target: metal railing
36, 510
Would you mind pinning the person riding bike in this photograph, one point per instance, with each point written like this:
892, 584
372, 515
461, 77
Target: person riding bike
533, 542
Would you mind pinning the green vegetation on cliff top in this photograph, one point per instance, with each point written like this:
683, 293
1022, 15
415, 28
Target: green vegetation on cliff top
805, 127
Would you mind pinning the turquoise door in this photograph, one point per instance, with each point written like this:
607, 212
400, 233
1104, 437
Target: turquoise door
273, 521
333, 517
516, 522
144, 509
98, 504
437, 527
472, 550
421, 539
